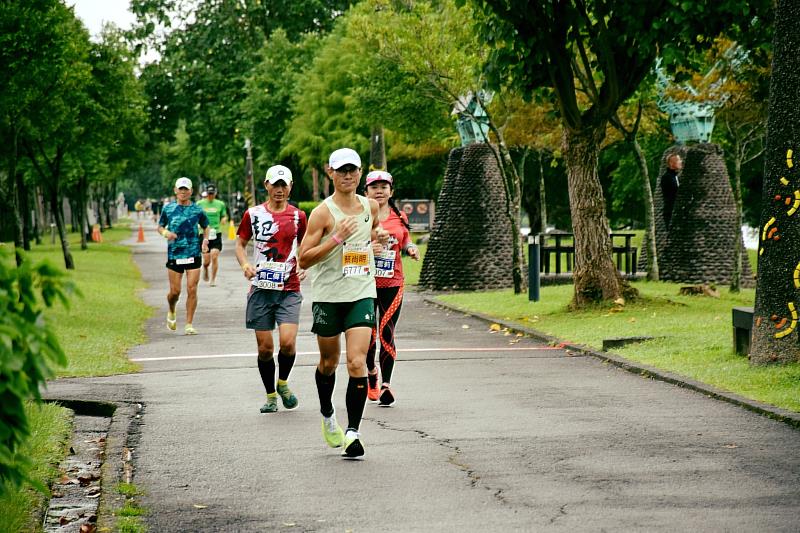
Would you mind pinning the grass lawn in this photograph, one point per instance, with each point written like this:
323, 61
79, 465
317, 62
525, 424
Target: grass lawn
102, 324
693, 334
96, 333
50, 427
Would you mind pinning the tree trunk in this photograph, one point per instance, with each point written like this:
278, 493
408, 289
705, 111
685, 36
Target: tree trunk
22, 207
107, 195
12, 193
41, 221
326, 186
58, 216
775, 321
513, 192
82, 203
595, 276
377, 150
315, 184
542, 198
649, 213
736, 275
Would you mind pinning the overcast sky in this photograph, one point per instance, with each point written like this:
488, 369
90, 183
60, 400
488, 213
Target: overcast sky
95, 13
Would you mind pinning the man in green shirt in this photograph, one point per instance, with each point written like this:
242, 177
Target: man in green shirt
217, 216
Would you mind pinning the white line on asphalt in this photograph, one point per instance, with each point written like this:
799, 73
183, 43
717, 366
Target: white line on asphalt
407, 350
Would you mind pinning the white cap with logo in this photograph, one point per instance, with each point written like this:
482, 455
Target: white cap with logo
344, 156
183, 182
278, 173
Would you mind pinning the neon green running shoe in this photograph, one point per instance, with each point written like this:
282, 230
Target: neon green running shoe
189, 330
272, 404
287, 396
332, 431
353, 449
172, 322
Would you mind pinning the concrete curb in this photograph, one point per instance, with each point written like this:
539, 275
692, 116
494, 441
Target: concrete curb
117, 465
770, 411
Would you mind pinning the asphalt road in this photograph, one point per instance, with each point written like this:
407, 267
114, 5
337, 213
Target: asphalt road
489, 433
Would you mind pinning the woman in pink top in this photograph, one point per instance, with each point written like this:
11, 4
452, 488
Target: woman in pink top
389, 284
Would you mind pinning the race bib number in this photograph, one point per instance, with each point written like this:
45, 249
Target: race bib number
185, 261
270, 275
212, 234
355, 259
384, 264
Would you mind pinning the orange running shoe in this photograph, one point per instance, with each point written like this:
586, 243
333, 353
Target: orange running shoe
372, 386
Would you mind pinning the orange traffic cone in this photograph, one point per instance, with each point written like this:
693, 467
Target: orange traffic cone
141, 233
96, 236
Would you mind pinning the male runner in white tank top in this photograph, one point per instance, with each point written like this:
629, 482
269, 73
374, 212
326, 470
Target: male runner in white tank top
338, 251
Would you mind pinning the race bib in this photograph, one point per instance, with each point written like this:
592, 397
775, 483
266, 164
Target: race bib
270, 275
185, 261
212, 234
355, 259
384, 264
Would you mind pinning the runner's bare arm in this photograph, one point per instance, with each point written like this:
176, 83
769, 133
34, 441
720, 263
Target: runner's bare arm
167, 234
320, 223
241, 256
204, 246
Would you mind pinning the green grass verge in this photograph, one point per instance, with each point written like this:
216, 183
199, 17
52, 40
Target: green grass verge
50, 426
694, 334
96, 333
411, 268
100, 326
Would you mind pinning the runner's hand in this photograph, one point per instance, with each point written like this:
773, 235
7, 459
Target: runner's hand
301, 274
204, 248
381, 235
376, 247
249, 271
413, 252
346, 227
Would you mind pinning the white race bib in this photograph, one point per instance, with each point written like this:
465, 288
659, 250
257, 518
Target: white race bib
185, 261
384, 264
212, 234
355, 259
270, 275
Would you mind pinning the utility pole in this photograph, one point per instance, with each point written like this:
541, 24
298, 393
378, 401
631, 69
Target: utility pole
250, 186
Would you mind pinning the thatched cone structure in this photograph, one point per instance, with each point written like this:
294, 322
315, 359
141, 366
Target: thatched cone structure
470, 245
698, 247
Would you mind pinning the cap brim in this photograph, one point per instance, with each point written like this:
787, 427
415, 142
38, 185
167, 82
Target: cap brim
340, 164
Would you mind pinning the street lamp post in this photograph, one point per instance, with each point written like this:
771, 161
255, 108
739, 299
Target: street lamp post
250, 185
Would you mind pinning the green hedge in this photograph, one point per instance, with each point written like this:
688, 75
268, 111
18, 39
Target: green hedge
307, 206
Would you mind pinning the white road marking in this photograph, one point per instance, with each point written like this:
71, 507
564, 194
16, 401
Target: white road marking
407, 350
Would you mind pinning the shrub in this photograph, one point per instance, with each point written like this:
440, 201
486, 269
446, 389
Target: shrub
28, 352
307, 206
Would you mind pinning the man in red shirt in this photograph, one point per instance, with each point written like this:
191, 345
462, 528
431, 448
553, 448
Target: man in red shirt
277, 229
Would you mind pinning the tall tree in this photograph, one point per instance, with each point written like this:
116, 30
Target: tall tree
601, 49
35, 55
53, 128
433, 43
776, 337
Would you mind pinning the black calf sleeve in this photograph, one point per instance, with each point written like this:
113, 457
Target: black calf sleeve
355, 400
267, 371
325, 391
285, 364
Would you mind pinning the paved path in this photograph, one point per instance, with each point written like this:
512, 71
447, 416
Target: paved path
489, 433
